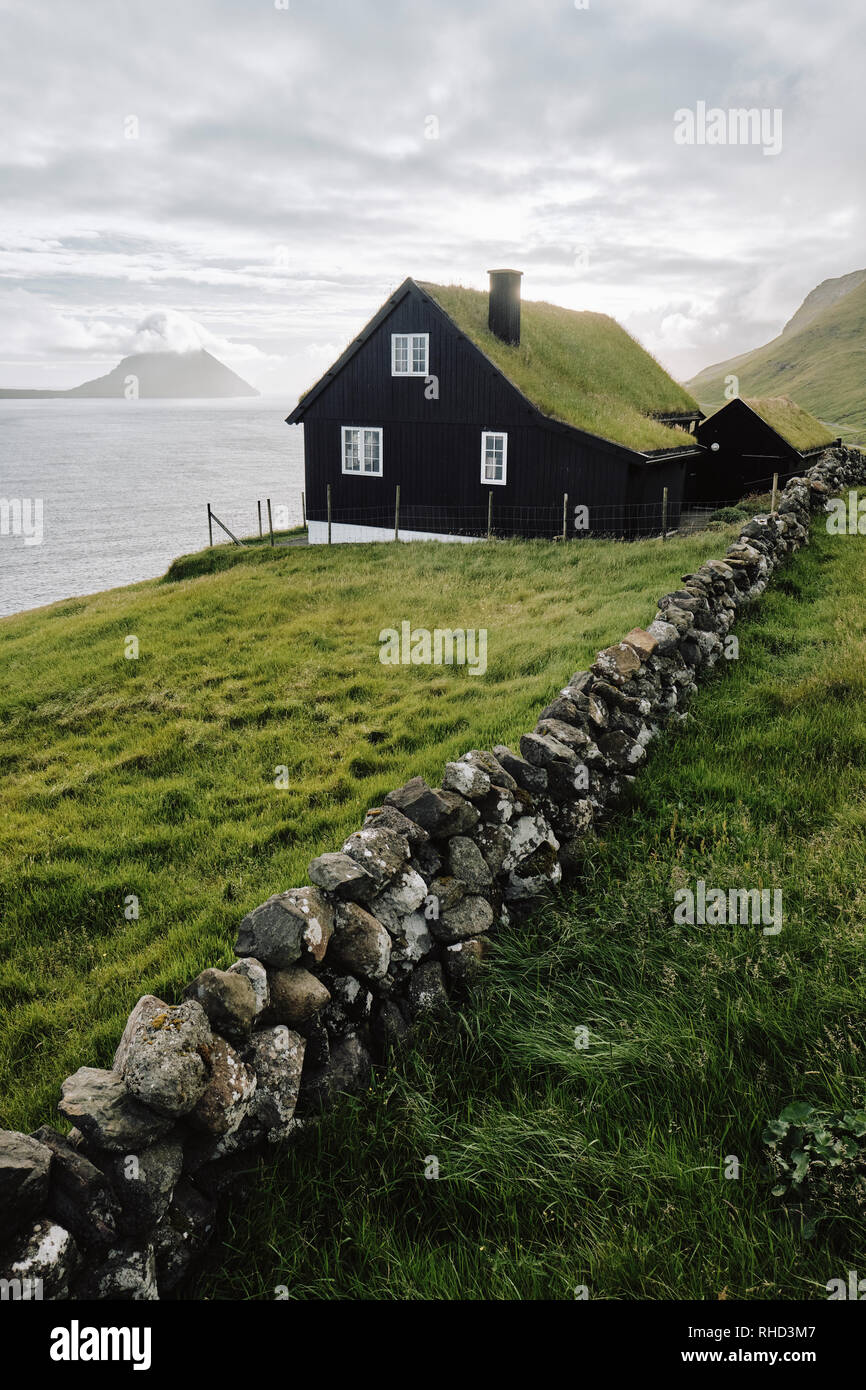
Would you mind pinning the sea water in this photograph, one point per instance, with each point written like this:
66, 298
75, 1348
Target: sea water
122, 487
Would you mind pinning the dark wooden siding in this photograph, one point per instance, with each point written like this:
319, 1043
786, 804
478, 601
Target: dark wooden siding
432, 448
749, 453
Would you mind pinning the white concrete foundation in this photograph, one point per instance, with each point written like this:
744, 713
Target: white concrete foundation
346, 533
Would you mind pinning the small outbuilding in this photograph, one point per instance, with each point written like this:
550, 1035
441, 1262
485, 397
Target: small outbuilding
746, 442
483, 407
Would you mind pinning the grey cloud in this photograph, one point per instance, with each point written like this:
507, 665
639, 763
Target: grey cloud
282, 182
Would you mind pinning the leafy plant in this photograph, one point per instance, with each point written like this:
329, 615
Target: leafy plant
818, 1158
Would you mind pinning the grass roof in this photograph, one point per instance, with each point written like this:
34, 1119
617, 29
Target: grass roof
578, 367
791, 421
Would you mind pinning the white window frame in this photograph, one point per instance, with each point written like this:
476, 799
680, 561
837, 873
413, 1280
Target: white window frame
494, 434
410, 339
362, 430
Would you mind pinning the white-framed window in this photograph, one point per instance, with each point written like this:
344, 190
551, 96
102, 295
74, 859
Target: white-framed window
409, 354
494, 457
362, 450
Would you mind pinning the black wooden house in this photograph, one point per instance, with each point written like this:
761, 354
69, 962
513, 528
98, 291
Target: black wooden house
480, 406
747, 441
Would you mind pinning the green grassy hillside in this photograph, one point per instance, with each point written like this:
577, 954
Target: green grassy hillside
819, 361
155, 777
606, 1167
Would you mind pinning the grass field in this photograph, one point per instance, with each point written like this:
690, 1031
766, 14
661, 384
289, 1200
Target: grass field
604, 1167
155, 777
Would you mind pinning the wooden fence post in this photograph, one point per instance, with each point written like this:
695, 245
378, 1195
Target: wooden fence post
209, 527
490, 514
270, 521
329, 513
564, 515
259, 505
775, 502
397, 514
665, 514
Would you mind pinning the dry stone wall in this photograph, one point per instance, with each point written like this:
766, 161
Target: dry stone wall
333, 975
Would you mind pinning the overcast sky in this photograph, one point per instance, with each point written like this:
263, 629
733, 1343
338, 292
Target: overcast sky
281, 180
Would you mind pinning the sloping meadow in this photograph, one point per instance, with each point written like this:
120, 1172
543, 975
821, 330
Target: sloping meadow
390, 931
141, 816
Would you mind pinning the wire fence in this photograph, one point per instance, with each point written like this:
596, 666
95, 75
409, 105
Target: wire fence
287, 521
563, 519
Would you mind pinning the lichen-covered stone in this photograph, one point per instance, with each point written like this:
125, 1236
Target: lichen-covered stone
182, 1234
471, 917
426, 994
229, 1000
617, 664
341, 875
230, 1088
381, 853
497, 808
467, 864
577, 740
39, 1263
469, 781
107, 1113
351, 1004
145, 1183
446, 892
296, 997
494, 842
411, 939
665, 635
389, 818
464, 961
490, 764
279, 931
80, 1198
360, 943
404, 896
160, 1055
542, 750
276, 1055
535, 873
25, 1166
257, 975
530, 776
127, 1274
347, 1073
621, 751
440, 812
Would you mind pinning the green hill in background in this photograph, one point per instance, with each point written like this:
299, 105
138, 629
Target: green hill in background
818, 360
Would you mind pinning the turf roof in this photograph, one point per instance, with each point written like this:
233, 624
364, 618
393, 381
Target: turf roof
795, 425
578, 367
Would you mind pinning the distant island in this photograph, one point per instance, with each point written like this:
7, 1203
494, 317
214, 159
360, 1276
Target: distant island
155, 375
